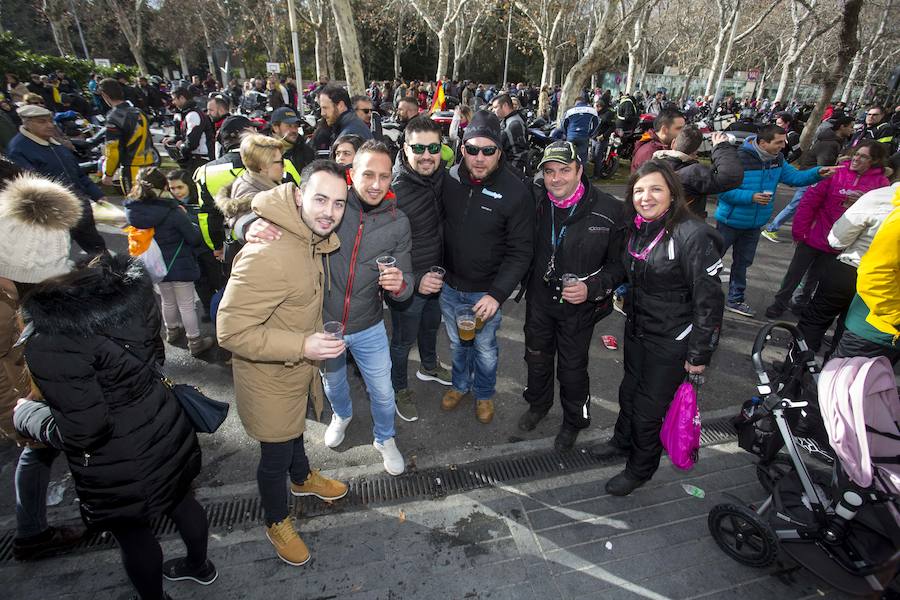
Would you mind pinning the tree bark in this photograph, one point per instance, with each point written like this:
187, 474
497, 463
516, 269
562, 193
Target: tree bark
598, 49
353, 71
397, 42
185, 66
848, 47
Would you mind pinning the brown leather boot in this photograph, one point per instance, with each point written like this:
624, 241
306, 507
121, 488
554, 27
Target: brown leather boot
451, 399
484, 411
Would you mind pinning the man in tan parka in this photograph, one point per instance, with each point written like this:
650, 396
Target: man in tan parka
270, 318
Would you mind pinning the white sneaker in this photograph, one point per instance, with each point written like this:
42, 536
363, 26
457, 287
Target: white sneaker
334, 434
393, 460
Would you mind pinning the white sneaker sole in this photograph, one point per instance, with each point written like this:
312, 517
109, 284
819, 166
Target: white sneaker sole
407, 419
425, 377
293, 564
325, 498
739, 312
194, 579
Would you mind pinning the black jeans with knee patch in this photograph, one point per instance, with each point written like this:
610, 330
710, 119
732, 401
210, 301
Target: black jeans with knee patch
561, 334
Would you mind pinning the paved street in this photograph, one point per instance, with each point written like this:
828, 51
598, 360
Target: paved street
544, 539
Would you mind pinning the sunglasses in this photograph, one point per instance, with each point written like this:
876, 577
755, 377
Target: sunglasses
421, 148
365, 110
486, 150
873, 114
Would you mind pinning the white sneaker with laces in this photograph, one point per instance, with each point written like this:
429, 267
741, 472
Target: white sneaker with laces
393, 460
334, 434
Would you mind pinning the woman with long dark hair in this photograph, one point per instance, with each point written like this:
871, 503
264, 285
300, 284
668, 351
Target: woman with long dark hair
673, 315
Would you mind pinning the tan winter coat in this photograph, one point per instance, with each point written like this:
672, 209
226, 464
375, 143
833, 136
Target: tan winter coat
15, 382
272, 302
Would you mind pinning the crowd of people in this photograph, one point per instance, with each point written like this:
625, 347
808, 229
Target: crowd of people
294, 257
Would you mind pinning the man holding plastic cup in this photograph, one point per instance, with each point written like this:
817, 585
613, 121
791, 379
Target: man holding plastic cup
488, 231
577, 264
373, 261
743, 211
418, 176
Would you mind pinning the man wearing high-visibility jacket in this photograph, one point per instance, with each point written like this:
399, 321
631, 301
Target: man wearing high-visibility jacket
128, 141
216, 174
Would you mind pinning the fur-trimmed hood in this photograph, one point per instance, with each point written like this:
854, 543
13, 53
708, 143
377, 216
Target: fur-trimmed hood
230, 206
101, 296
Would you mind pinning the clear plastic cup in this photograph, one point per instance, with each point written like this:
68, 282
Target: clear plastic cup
385, 262
334, 328
465, 323
438, 271
569, 280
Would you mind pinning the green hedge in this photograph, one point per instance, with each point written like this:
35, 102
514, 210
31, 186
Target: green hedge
16, 59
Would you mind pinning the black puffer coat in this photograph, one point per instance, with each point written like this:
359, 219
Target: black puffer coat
676, 295
173, 231
131, 449
420, 199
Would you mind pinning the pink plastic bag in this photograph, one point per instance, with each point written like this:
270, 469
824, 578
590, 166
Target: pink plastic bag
680, 434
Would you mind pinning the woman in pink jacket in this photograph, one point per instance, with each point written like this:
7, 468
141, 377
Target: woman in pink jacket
821, 206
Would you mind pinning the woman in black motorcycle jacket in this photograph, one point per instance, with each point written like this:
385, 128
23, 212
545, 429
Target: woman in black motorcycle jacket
674, 313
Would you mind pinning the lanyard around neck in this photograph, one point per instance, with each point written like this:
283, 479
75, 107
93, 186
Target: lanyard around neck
556, 241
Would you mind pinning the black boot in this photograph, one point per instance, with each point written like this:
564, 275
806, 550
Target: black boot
565, 439
623, 484
529, 420
53, 540
607, 450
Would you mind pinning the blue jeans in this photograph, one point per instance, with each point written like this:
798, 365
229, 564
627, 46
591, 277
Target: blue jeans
370, 350
32, 479
787, 212
416, 320
744, 242
474, 363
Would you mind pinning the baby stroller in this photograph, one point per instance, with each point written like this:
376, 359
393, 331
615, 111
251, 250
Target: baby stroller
842, 525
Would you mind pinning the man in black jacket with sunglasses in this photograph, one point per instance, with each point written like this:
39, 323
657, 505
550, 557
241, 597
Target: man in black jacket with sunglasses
488, 231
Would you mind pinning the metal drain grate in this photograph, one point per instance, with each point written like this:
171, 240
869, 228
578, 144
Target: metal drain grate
430, 484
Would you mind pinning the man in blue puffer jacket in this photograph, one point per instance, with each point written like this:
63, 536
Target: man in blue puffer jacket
743, 211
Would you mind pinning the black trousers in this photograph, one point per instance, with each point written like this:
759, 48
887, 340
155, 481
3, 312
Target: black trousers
276, 460
85, 231
560, 331
212, 277
832, 299
653, 371
806, 258
142, 556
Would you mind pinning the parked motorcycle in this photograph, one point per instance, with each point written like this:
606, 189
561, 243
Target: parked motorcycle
607, 163
539, 137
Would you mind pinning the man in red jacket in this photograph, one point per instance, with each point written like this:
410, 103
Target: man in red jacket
666, 127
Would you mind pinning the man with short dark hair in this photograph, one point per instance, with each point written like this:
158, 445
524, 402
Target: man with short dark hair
698, 179
515, 133
666, 127
195, 136
877, 128
217, 108
128, 140
823, 153
743, 211
418, 179
657, 104
364, 107
577, 264
335, 104
488, 232
792, 150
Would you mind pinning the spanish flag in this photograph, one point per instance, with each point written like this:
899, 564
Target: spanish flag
439, 101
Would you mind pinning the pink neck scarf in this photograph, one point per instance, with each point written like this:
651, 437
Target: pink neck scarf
571, 200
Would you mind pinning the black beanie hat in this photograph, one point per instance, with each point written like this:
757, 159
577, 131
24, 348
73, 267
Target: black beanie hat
484, 124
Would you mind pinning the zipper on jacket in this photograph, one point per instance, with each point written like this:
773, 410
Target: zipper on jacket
353, 256
87, 458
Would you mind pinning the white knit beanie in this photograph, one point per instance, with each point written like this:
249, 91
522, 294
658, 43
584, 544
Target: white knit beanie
36, 215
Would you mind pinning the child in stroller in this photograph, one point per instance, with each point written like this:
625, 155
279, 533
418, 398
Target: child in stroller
844, 526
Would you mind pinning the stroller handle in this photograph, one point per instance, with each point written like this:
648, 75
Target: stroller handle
760, 343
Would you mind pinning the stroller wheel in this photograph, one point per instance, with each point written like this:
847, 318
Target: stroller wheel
743, 535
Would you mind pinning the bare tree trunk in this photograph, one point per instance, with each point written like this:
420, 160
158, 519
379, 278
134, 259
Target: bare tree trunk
185, 66
321, 34
589, 62
343, 21
55, 12
210, 61
848, 47
128, 15
332, 50
714, 66
397, 68
443, 54
854, 69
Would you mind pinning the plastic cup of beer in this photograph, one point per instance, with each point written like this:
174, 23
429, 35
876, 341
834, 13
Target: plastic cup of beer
569, 280
334, 328
385, 262
465, 323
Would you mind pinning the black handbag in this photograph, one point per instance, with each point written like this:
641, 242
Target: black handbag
205, 413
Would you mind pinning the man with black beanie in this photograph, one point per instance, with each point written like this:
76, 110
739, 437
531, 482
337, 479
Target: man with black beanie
488, 231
